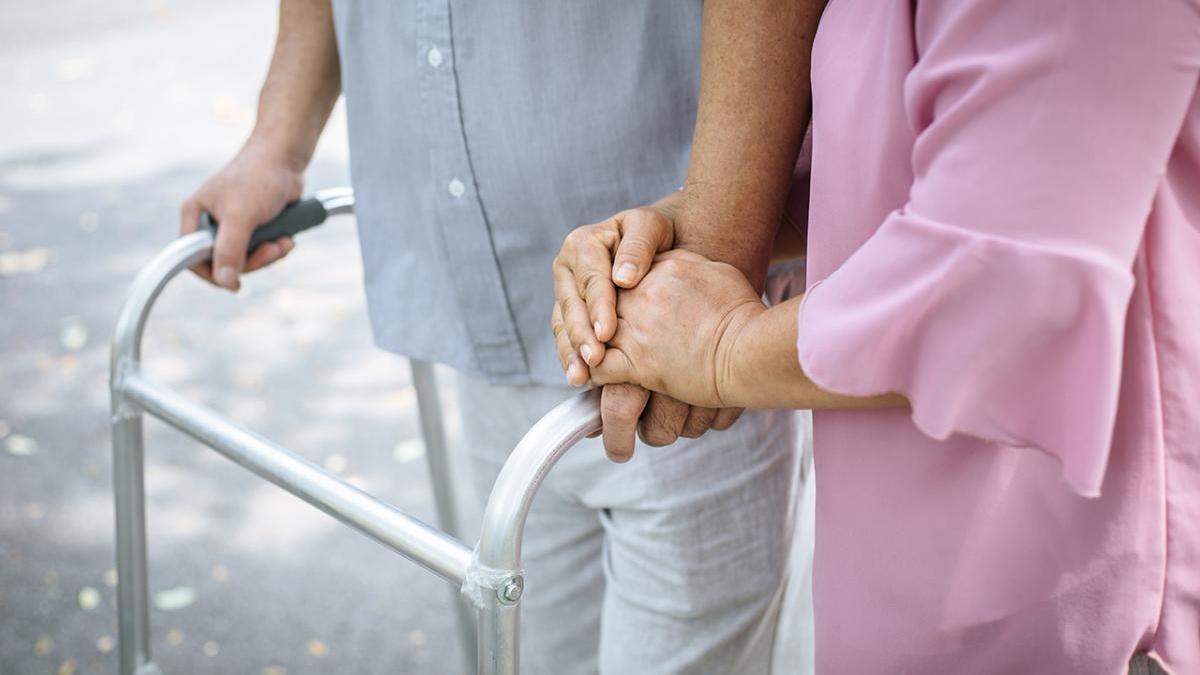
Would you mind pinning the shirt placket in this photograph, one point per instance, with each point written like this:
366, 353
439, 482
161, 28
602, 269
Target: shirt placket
460, 219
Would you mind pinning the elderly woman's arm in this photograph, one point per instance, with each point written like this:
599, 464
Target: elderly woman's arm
697, 330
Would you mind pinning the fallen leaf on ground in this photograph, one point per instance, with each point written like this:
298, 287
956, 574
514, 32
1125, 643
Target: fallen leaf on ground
89, 598
174, 637
20, 445
72, 333
105, 644
336, 463
174, 599
24, 262
409, 450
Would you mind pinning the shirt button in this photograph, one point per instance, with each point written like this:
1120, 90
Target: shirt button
456, 188
434, 56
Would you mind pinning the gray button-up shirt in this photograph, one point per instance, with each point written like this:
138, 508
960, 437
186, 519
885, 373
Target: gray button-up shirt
481, 133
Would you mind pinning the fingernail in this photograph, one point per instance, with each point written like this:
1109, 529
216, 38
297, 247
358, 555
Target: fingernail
596, 327
586, 352
625, 272
225, 276
573, 374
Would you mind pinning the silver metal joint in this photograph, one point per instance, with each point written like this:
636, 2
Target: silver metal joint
122, 408
510, 592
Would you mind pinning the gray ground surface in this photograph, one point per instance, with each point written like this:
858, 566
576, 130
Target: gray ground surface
111, 113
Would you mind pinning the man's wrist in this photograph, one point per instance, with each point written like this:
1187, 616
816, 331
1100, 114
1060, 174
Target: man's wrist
279, 148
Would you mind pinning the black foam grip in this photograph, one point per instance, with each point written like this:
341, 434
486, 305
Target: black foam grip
293, 219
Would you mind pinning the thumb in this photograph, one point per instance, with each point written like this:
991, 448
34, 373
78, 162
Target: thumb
616, 368
644, 233
229, 251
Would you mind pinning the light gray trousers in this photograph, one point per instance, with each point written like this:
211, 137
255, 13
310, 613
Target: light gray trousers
671, 563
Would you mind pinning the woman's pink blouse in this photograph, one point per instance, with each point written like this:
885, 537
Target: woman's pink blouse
1004, 228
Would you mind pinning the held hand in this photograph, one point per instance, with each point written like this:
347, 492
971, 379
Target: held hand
253, 188
676, 329
593, 261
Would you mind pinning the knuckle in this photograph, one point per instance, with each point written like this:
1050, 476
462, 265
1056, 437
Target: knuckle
573, 304
606, 235
657, 428
657, 436
622, 408
576, 234
595, 284
576, 238
579, 333
671, 266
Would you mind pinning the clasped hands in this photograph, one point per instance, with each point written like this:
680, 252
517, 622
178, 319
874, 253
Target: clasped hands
657, 327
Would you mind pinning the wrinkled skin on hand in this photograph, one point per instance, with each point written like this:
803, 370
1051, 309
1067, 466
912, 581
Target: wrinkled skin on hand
676, 328
596, 260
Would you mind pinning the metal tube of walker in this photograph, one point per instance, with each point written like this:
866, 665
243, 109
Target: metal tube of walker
133, 610
393, 528
499, 551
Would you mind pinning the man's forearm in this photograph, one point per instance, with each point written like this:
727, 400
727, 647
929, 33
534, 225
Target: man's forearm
754, 106
303, 82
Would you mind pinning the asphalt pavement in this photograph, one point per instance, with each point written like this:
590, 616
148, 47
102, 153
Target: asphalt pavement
111, 114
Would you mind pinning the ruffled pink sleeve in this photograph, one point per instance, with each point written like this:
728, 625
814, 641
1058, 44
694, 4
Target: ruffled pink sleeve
995, 299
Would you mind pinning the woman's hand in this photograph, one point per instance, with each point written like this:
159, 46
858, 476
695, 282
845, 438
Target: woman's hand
676, 329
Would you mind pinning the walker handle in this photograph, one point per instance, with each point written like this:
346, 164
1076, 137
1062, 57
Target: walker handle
293, 219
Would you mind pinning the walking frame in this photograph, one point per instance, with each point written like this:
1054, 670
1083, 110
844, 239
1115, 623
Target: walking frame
489, 577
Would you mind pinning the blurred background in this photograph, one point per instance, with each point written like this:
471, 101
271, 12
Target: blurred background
110, 115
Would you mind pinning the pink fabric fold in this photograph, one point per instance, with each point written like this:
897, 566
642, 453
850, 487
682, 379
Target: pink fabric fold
999, 339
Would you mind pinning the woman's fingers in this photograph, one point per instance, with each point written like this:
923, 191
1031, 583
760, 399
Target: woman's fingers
644, 233
620, 407
576, 370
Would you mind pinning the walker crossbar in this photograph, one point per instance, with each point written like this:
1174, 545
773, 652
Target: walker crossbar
491, 576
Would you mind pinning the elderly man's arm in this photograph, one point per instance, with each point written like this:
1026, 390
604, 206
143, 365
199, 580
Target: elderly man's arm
299, 93
754, 107
754, 103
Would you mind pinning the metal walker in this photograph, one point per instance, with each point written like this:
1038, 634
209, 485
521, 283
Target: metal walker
490, 576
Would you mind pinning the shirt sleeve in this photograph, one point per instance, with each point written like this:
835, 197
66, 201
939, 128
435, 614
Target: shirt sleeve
995, 299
